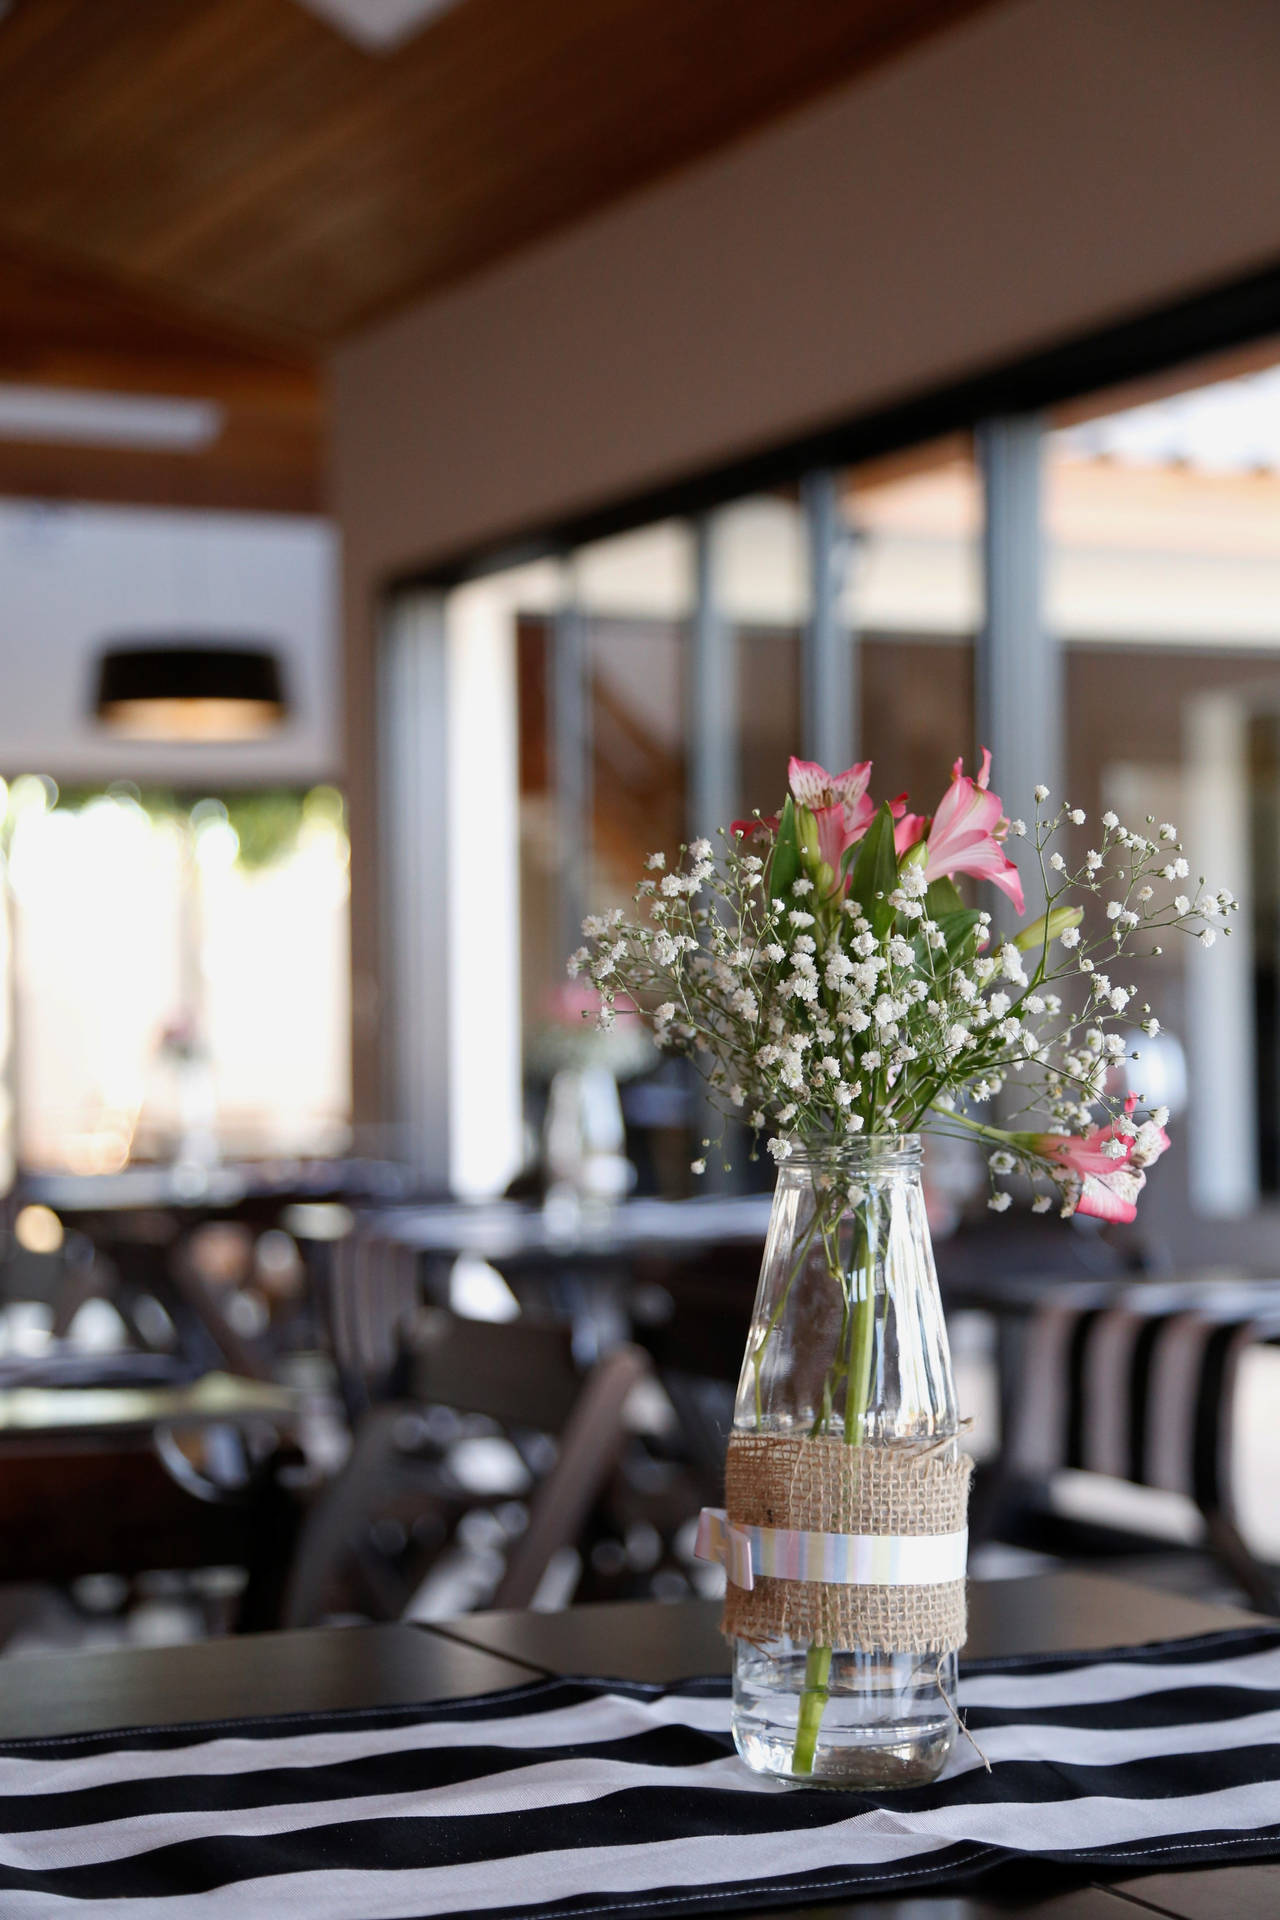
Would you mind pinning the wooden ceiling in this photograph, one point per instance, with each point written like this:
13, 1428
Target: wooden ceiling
202, 195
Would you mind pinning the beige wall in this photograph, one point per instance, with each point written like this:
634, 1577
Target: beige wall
1043, 169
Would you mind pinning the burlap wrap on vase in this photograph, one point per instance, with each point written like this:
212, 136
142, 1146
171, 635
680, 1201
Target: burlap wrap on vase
826, 1486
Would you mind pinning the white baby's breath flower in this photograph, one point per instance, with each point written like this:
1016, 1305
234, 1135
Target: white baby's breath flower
697, 1166
656, 862
799, 918
1110, 820
780, 1149
1070, 937
801, 887
1114, 909
1207, 937
1076, 817
1001, 1161
1168, 831
1000, 1202
1042, 1203
1057, 862
1093, 860
1042, 793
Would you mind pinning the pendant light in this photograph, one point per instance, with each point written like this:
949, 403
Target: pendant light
190, 690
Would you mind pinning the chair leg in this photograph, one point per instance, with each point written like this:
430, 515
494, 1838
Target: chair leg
589, 1450
275, 1522
1257, 1581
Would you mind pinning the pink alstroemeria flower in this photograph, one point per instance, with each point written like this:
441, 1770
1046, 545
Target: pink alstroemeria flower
1109, 1182
822, 792
841, 807
965, 834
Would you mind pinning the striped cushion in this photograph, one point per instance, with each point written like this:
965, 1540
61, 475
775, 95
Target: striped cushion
572, 1797
1138, 1382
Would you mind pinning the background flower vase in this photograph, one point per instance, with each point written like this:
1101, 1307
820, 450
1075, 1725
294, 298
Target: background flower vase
844, 1534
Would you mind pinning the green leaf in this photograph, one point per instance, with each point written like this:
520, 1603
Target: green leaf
1047, 928
875, 872
957, 927
942, 898
784, 868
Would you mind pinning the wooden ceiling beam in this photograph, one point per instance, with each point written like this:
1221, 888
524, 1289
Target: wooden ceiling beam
246, 157
64, 328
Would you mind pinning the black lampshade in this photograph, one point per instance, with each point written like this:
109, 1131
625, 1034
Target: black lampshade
190, 690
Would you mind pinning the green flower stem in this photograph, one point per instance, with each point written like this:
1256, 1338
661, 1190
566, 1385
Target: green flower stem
817, 1673
860, 1318
861, 1337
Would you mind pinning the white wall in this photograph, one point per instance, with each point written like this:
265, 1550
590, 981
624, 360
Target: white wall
72, 577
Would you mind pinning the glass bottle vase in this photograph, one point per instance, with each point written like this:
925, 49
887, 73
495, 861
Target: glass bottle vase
848, 1343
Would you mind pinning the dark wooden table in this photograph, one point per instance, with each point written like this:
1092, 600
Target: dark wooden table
404, 1665
1065, 1611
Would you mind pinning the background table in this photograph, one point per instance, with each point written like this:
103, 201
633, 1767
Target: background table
404, 1665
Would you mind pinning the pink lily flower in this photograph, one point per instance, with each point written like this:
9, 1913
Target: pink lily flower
965, 834
842, 796
1108, 1182
822, 792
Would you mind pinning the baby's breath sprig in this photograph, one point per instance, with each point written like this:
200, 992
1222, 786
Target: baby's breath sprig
828, 980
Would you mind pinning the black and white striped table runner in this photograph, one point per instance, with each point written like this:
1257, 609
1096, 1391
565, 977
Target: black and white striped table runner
594, 1797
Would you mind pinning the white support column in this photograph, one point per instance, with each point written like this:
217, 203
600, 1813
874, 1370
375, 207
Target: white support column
712, 778
830, 718
483, 899
1221, 1117
450, 886
1019, 693
414, 846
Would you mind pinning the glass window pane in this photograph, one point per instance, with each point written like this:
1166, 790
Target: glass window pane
761, 572
634, 595
1164, 587
913, 598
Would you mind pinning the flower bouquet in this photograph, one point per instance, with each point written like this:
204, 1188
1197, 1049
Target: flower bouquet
838, 994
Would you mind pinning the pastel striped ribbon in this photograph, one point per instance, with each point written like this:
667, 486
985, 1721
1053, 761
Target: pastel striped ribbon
842, 1559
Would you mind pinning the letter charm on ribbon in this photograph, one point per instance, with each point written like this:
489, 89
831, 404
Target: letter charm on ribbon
841, 1559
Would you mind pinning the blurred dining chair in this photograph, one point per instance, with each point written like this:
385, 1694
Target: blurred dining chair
1137, 1382
521, 1377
